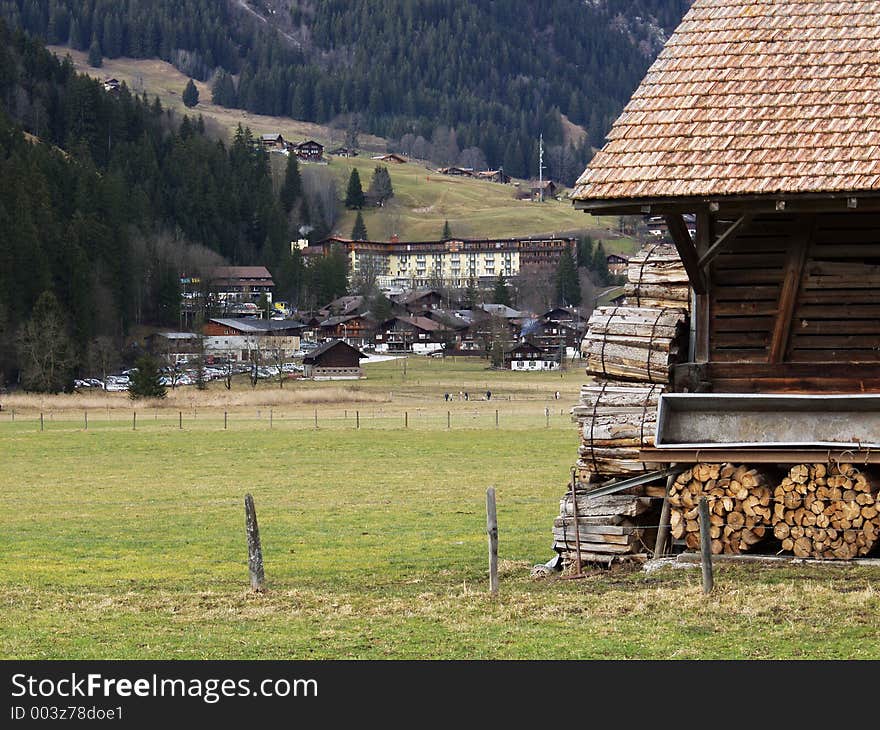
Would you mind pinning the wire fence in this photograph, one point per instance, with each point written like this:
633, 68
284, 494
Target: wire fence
457, 416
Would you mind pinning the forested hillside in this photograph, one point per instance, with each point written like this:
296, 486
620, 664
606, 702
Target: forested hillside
106, 200
476, 81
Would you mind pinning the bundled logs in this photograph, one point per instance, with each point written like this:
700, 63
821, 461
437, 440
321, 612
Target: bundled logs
740, 508
826, 511
634, 343
657, 278
615, 420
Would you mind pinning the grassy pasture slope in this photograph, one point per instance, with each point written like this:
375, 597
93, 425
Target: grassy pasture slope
130, 544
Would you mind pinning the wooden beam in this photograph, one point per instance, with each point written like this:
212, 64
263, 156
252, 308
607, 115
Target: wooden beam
724, 239
791, 283
683, 457
685, 245
701, 313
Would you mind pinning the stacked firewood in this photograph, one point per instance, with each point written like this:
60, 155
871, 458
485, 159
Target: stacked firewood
607, 526
739, 501
826, 511
615, 420
657, 278
634, 343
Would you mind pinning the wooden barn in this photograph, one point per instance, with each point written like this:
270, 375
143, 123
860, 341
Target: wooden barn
762, 119
334, 360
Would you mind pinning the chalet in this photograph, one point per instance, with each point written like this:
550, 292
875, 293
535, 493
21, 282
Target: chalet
561, 314
355, 329
617, 263
421, 300
457, 171
272, 141
344, 306
248, 339
497, 176
334, 360
419, 335
112, 85
309, 151
542, 190
391, 157
551, 335
236, 284
530, 357
343, 152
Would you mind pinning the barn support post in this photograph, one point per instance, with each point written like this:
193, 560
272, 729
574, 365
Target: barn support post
663, 527
255, 549
492, 531
705, 546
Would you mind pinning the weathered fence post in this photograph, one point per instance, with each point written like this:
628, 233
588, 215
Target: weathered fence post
496, 418
134, 416
547, 417
406, 419
663, 527
255, 550
180, 419
85, 420
448, 419
492, 531
270, 418
705, 545
357, 419
41, 420
224, 420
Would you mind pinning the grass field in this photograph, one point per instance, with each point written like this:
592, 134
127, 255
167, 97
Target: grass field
130, 544
423, 199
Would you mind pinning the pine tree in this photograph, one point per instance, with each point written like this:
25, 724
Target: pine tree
380, 307
599, 265
585, 252
95, 58
354, 196
190, 94
380, 188
291, 188
568, 285
146, 381
501, 294
447, 231
359, 231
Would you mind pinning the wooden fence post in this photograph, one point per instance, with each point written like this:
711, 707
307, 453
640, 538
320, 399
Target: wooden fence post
448, 419
496, 418
316, 419
270, 418
180, 419
41, 420
663, 527
357, 417
492, 531
134, 416
224, 420
255, 550
406, 419
85, 420
705, 546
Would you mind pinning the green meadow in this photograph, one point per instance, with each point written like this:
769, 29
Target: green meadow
123, 542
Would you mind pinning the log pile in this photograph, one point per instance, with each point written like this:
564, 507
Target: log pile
608, 526
634, 343
824, 511
657, 278
740, 509
615, 420
631, 349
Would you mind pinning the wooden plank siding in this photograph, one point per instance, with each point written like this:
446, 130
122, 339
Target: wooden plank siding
813, 281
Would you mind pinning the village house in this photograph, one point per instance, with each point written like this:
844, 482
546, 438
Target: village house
272, 142
334, 360
391, 157
247, 339
529, 357
344, 306
343, 152
309, 151
229, 285
496, 176
418, 335
617, 263
355, 329
420, 300
457, 171
542, 189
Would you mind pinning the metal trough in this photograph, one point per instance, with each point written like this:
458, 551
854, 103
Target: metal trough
717, 420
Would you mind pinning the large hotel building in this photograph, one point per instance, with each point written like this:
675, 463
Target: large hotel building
413, 264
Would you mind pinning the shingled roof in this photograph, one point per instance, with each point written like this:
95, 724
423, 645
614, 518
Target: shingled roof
751, 97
